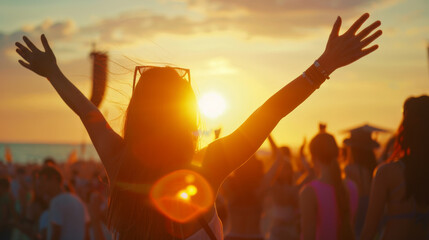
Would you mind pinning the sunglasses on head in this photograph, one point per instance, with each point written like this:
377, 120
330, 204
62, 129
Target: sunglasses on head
183, 73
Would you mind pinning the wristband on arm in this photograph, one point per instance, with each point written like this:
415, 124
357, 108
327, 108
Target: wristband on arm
315, 75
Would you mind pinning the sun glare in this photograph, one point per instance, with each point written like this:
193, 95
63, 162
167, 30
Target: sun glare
212, 105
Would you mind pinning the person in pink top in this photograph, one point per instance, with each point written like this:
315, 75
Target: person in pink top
327, 204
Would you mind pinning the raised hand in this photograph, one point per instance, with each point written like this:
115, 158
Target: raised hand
302, 148
217, 132
37, 61
342, 50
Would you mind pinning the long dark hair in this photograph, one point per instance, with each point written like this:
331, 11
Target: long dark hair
412, 145
160, 137
364, 157
324, 148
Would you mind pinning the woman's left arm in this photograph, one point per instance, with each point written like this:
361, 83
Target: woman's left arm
226, 154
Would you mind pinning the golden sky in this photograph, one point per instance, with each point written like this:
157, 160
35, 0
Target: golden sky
245, 50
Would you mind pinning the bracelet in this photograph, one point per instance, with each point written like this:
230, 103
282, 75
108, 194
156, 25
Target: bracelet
313, 76
321, 69
308, 79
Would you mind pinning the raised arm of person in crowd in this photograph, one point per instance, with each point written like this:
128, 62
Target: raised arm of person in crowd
105, 140
228, 153
273, 171
302, 158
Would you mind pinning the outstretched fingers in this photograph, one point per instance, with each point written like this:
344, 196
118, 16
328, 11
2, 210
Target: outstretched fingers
24, 64
23, 51
368, 30
45, 43
368, 50
30, 44
336, 28
371, 38
356, 25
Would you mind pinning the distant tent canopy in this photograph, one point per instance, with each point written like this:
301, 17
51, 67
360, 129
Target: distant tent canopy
99, 76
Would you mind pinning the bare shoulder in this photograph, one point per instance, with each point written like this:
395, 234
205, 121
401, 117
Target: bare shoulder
389, 174
388, 169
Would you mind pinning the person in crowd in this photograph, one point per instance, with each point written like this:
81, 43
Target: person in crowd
21, 191
245, 192
98, 229
284, 193
49, 161
160, 132
400, 188
361, 162
37, 204
67, 216
6, 209
328, 204
19, 188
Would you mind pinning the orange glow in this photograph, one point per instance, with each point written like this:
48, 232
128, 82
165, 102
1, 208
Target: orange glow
182, 195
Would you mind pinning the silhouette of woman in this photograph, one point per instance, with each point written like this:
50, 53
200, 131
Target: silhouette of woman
328, 204
159, 134
400, 188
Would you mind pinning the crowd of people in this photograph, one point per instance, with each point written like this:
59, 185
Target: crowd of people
41, 201
334, 192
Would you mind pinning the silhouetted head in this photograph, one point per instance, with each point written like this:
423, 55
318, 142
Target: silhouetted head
324, 149
286, 151
412, 146
50, 181
49, 161
413, 134
162, 118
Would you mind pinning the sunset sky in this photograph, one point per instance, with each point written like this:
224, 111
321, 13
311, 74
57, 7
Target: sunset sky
244, 50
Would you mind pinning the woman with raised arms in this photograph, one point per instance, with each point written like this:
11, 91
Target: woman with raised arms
159, 134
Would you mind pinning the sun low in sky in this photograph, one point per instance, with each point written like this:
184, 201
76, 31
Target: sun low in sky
240, 53
212, 105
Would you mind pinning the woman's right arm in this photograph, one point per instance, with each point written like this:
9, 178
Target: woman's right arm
107, 142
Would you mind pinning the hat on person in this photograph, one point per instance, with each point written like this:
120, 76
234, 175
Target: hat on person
360, 137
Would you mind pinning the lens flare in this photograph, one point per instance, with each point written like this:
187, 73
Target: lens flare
191, 190
182, 195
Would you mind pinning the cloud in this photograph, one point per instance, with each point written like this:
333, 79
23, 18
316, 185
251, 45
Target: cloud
133, 27
253, 18
137, 25
60, 30
280, 6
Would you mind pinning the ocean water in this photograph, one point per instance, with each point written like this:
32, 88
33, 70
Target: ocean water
37, 152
